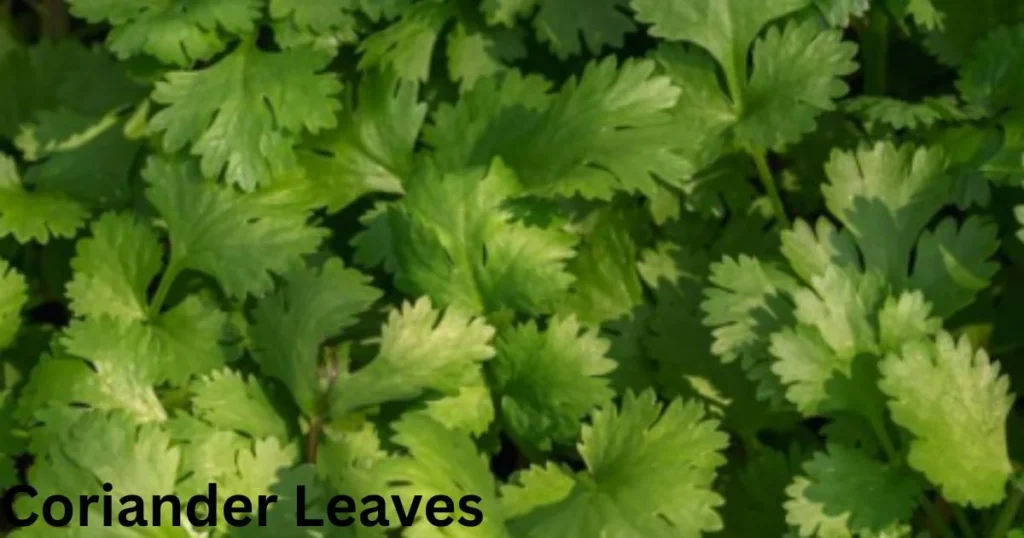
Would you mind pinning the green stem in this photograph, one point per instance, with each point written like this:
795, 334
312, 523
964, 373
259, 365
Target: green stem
876, 53
1008, 514
163, 288
961, 521
768, 181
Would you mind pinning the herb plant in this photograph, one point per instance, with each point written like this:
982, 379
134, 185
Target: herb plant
619, 268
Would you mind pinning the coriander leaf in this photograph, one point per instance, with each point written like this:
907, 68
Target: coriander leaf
299, 22
904, 115
886, 216
965, 24
474, 54
812, 252
290, 325
609, 130
440, 461
13, 296
181, 342
113, 268
470, 410
564, 24
797, 75
547, 381
726, 28
420, 349
607, 285
838, 13
177, 32
834, 327
810, 517
953, 264
407, 45
34, 215
61, 75
136, 459
452, 239
649, 471
373, 147
104, 383
239, 239
243, 114
226, 399
991, 77
744, 305
953, 401
868, 495
536, 486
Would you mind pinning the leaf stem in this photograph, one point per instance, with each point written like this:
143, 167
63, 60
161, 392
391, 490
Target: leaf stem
768, 181
961, 521
876, 53
173, 269
1008, 513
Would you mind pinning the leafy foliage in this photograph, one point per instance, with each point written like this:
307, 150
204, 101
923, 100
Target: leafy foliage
617, 268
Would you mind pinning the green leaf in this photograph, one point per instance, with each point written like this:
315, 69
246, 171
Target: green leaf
609, 130
953, 401
867, 495
549, 380
183, 341
953, 264
407, 45
474, 54
372, 150
904, 115
106, 382
835, 326
991, 77
649, 472
243, 114
726, 28
797, 75
965, 24
886, 216
112, 269
452, 239
135, 459
239, 239
443, 461
290, 325
33, 215
13, 297
177, 32
227, 400
420, 349
569, 25
744, 306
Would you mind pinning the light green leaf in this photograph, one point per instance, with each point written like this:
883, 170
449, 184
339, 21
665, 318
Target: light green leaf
227, 400
113, 268
649, 472
954, 402
420, 349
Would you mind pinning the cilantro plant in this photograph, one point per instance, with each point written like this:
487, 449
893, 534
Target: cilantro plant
618, 268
